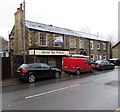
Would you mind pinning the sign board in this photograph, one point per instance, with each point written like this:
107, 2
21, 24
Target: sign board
48, 52
58, 40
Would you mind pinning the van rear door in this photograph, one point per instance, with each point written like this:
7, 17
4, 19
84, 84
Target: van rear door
67, 62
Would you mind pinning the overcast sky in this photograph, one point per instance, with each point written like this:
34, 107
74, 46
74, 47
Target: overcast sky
81, 15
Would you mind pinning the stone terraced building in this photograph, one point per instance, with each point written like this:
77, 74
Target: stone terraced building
49, 44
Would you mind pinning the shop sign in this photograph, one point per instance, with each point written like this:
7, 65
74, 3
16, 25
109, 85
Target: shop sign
58, 40
48, 52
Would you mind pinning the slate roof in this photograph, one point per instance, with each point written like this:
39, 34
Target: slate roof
59, 30
116, 44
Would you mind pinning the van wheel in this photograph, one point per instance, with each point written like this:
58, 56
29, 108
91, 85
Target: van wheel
92, 70
31, 78
78, 72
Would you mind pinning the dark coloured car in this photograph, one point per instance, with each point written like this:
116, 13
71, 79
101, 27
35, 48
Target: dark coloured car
103, 65
115, 61
31, 72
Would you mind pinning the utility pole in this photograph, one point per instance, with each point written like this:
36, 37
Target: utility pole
24, 40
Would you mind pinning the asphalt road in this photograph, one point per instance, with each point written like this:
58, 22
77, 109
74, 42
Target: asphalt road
97, 91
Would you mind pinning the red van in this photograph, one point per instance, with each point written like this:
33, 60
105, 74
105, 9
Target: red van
77, 65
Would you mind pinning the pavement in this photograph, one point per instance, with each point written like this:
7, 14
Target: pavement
10, 81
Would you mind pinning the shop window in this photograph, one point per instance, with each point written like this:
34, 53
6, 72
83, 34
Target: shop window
52, 61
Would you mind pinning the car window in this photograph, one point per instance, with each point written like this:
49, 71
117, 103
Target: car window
102, 62
24, 66
98, 61
36, 65
106, 62
87, 62
44, 65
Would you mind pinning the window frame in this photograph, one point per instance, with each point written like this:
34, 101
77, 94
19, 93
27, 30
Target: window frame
104, 46
72, 42
92, 59
98, 44
91, 44
80, 43
44, 36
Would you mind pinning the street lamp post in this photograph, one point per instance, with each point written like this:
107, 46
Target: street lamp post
24, 41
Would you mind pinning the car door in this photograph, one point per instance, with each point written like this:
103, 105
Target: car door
109, 65
87, 66
106, 65
46, 70
37, 70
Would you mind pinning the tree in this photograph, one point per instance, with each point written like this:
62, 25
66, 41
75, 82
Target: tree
3, 44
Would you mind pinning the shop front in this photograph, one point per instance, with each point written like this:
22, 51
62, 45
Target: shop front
52, 57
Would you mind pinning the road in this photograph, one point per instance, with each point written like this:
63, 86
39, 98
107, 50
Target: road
96, 91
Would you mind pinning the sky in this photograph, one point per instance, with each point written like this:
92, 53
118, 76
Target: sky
93, 16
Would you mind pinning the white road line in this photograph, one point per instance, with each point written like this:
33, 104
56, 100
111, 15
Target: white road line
56, 90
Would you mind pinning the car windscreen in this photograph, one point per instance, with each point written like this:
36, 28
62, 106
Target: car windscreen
98, 62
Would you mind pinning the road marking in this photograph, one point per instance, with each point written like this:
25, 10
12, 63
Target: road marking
56, 90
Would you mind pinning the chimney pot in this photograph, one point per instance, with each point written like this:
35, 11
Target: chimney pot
21, 6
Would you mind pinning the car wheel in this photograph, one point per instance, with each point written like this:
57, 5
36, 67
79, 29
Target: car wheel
31, 78
78, 72
57, 75
92, 70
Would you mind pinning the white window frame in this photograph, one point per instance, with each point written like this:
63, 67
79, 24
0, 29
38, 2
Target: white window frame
44, 36
104, 57
100, 57
80, 43
98, 46
91, 44
92, 59
65, 41
72, 42
97, 57
104, 46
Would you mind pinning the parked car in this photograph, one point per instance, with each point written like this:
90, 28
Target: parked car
77, 65
103, 65
31, 72
115, 61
